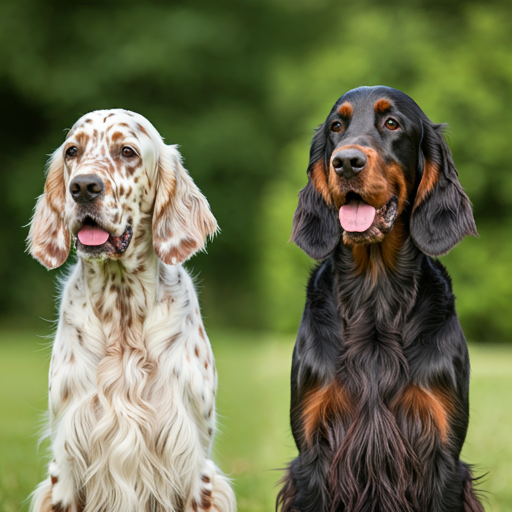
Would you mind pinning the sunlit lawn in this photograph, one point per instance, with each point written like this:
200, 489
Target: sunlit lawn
254, 439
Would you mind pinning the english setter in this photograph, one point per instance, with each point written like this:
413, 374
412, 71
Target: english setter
132, 377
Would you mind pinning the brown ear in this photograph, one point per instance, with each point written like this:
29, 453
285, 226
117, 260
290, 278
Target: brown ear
182, 220
49, 239
442, 214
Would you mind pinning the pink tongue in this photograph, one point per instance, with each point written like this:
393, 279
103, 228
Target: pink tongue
92, 235
356, 216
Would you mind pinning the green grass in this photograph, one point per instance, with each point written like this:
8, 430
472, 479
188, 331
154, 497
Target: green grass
254, 438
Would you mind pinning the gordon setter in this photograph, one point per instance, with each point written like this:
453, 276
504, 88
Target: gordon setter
380, 373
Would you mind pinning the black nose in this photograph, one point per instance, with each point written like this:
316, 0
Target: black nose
86, 187
349, 162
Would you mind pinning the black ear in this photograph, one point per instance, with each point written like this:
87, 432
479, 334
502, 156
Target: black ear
316, 229
442, 214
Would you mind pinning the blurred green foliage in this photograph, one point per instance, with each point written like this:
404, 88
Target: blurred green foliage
240, 85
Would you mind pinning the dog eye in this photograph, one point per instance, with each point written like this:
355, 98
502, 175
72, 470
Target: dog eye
72, 151
336, 127
391, 124
128, 152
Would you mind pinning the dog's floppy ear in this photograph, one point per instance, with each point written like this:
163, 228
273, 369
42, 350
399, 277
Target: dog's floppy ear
442, 214
49, 239
316, 228
182, 219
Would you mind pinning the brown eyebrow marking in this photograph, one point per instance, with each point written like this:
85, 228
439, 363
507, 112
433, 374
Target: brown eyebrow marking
381, 106
82, 139
116, 125
116, 136
345, 109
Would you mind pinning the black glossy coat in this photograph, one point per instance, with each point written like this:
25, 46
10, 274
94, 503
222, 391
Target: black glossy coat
387, 346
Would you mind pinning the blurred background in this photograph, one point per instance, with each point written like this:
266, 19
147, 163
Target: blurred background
240, 85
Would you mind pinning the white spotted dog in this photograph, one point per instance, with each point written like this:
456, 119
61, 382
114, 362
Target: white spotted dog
132, 377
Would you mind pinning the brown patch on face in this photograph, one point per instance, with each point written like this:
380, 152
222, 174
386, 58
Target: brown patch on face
196, 351
396, 178
431, 407
346, 109
130, 169
54, 479
382, 106
82, 140
110, 115
376, 183
117, 136
370, 183
427, 183
201, 332
319, 180
321, 405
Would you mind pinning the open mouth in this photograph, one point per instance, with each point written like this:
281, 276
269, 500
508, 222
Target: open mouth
362, 223
94, 240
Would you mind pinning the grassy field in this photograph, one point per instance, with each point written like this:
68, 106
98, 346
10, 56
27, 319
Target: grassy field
254, 438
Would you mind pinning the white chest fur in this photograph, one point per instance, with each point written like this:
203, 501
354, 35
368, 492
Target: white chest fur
132, 385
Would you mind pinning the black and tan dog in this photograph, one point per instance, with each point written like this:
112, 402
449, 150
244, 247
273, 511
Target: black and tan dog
380, 374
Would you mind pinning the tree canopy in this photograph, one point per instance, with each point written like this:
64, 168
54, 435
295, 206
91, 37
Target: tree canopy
240, 86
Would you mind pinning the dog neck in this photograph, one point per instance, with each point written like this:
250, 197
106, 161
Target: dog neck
122, 291
378, 279
374, 307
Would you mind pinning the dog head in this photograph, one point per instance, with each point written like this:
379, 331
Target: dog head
376, 158
112, 186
